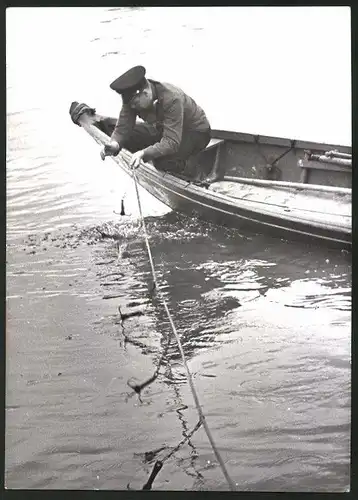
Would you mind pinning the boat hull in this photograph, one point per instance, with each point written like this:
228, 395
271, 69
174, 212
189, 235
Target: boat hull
190, 200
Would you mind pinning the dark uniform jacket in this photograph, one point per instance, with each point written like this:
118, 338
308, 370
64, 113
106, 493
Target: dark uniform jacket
174, 115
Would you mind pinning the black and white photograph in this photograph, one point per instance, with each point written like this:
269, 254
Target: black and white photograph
178, 248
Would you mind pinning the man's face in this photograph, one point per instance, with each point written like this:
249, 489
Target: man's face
143, 99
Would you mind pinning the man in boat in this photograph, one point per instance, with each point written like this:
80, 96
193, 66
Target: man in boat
174, 127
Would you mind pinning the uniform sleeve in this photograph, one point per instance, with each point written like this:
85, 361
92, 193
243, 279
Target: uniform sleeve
124, 125
172, 132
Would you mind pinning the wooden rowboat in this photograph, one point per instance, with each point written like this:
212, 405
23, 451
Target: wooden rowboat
290, 189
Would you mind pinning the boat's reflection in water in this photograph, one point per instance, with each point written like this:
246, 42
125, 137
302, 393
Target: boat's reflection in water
215, 278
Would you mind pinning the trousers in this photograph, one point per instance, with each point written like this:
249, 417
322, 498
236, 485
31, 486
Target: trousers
144, 135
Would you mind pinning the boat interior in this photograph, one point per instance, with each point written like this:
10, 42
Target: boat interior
232, 155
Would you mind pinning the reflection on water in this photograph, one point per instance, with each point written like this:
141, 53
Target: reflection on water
205, 272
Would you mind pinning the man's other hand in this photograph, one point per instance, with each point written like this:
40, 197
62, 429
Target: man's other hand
110, 149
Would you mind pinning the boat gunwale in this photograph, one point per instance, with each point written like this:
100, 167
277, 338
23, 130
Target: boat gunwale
268, 140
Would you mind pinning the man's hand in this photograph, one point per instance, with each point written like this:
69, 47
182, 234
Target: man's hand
136, 158
110, 149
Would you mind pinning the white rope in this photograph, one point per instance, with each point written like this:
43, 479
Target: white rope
189, 376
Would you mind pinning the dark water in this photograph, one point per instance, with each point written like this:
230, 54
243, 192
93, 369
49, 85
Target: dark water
265, 324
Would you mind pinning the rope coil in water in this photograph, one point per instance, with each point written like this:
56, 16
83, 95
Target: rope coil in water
189, 376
